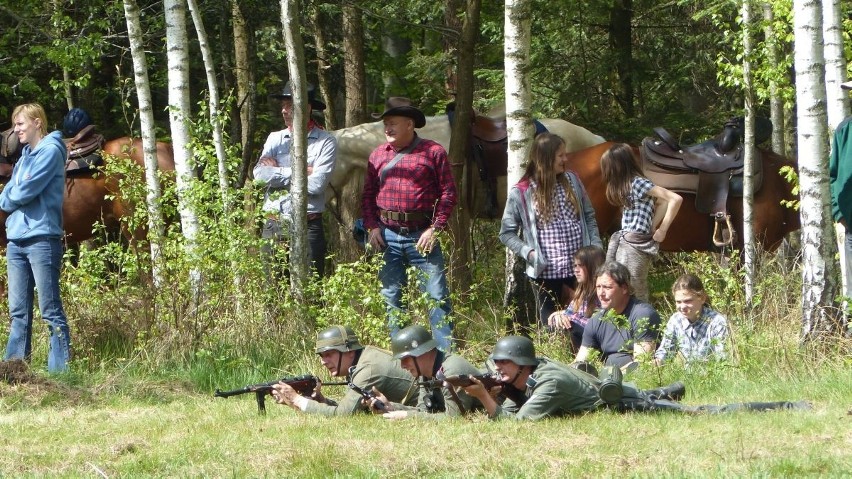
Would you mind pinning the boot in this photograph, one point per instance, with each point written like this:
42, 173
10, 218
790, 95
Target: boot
673, 392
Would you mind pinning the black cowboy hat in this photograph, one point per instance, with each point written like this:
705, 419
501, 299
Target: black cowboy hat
288, 93
401, 106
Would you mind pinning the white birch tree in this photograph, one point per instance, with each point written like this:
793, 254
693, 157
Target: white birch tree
837, 101
819, 270
213, 101
299, 264
149, 140
179, 110
750, 151
519, 126
776, 102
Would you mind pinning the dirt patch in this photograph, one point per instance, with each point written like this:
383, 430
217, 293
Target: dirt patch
24, 387
17, 371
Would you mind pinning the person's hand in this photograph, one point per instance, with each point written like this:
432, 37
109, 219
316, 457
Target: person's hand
310, 170
317, 395
379, 404
558, 320
284, 394
477, 389
267, 161
395, 415
426, 241
375, 239
531, 256
659, 235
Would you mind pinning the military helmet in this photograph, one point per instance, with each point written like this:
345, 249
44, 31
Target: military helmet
412, 341
518, 349
74, 121
338, 338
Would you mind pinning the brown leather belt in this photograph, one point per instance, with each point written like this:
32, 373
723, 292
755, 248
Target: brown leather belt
412, 217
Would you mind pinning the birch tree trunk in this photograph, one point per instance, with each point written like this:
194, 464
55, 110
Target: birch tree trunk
244, 74
776, 102
213, 102
520, 132
149, 140
299, 264
179, 110
459, 138
837, 102
750, 152
819, 270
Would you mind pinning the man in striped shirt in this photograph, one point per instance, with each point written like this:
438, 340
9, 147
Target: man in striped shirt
409, 194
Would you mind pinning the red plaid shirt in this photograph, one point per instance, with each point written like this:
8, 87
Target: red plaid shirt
420, 181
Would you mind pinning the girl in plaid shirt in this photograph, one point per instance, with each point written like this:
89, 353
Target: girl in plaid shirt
548, 217
642, 229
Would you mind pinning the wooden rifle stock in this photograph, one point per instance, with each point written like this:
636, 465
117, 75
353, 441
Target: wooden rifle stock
488, 380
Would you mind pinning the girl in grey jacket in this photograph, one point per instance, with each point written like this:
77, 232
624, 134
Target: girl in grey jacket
548, 217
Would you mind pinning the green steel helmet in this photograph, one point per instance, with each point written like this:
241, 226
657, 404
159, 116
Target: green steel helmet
518, 349
412, 341
338, 338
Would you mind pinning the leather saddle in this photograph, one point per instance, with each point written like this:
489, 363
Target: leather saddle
84, 149
711, 170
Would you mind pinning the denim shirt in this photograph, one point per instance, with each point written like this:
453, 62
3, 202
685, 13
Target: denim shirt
322, 150
519, 217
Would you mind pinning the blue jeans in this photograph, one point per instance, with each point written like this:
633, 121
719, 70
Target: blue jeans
35, 264
399, 254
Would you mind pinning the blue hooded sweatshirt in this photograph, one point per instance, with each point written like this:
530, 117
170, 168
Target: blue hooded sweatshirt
33, 197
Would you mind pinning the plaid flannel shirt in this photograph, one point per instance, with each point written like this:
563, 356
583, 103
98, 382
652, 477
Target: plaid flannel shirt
420, 182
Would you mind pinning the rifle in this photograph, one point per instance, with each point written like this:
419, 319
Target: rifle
303, 385
367, 395
489, 380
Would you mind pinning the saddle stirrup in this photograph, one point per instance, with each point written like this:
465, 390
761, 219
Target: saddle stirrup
722, 225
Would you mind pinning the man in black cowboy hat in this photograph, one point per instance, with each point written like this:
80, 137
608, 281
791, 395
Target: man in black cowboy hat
274, 168
409, 194
840, 174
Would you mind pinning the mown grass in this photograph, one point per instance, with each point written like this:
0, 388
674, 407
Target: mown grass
138, 402
185, 433
130, 421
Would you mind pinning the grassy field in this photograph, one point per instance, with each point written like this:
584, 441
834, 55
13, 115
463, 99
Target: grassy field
125, 426
139, 400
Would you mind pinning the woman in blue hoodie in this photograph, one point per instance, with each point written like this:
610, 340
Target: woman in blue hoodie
33, 200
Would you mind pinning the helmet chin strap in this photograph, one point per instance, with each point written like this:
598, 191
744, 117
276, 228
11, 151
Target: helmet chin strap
417, 366
517, 375
339, 362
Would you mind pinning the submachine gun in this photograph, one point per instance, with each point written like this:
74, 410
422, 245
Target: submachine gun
303, 385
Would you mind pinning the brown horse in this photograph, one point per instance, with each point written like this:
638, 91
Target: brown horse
92, 197
691, 230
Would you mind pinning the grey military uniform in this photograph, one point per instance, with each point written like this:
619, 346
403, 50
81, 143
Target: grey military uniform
375, 367
554, 389
438, 401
